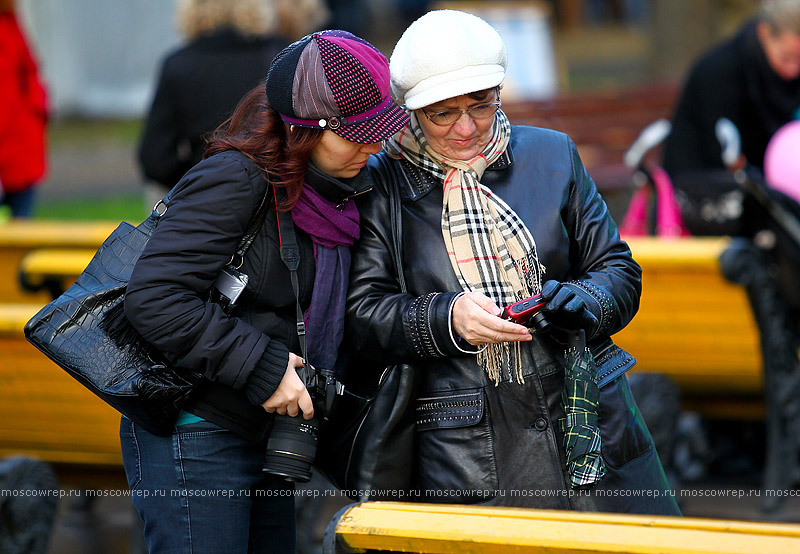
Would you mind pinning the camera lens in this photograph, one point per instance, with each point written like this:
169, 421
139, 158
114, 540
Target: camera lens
291, 448
539, 323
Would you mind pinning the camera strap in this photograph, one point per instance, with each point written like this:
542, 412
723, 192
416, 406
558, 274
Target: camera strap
290, 254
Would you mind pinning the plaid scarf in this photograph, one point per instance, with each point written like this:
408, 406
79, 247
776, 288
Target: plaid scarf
490, 248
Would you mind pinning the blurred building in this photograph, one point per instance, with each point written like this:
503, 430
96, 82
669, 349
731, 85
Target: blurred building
100, 57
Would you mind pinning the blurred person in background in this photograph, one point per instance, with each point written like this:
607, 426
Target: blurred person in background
230, 45
410, 10
351, 15
753, 79
23, 117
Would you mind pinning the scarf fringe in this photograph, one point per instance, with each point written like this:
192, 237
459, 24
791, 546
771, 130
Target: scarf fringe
499, 355
530, 271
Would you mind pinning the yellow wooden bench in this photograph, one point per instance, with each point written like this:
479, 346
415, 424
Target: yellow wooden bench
19, 237
696, 327
43, 411
730, 347
693, 326
445, 529
52, 269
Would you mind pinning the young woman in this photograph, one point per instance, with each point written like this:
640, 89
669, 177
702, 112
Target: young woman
307, 134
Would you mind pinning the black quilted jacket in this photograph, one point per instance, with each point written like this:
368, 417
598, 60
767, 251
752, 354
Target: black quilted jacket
166, 299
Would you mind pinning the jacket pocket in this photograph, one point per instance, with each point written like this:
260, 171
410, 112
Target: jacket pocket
455, 447
449, 410
623, 431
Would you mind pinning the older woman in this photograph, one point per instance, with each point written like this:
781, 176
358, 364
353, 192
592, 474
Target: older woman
492, 214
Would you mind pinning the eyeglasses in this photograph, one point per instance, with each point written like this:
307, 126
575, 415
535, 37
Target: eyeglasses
448, 117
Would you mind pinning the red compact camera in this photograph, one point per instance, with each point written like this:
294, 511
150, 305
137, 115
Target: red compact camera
527, 312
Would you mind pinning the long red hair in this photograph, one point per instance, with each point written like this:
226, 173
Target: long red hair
256, 130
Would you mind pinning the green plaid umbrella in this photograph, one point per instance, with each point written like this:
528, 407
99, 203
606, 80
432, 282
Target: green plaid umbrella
581, 398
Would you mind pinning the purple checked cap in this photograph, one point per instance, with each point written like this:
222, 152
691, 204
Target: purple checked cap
335, 80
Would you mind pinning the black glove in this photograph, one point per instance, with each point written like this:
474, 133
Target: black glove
567, 310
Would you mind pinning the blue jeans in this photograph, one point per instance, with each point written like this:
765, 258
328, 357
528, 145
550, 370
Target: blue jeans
201, 490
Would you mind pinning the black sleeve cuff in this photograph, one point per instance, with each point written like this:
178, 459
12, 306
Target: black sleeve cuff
428, 326
267, 374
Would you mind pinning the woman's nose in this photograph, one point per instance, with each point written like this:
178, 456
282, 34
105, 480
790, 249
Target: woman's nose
465, 125
373, 148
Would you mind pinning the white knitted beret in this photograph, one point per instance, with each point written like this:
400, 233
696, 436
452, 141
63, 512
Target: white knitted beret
446, 53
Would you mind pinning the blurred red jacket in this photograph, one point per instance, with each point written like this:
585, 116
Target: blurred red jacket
23, 111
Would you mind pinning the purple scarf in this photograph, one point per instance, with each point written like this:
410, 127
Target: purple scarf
332, 231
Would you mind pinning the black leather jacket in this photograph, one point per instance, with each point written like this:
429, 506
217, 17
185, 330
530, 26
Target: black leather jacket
501, 443
542, 178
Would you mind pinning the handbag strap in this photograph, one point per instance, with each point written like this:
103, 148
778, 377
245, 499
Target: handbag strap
252, 228
396, 221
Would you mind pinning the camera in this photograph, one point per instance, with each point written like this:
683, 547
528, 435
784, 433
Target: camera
292, 443
528, 312
227, 289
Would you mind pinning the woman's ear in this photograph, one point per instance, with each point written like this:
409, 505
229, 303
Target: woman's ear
765, 32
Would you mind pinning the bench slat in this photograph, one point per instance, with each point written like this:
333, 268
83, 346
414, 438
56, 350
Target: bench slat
46, 413
429, 528
13, 318
19, 237
692, 324
33, 233
52, 262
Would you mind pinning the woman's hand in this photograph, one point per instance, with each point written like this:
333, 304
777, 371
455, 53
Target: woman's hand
476, 320
291, 396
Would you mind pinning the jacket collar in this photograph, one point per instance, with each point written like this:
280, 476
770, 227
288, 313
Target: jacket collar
336, 190
418, 182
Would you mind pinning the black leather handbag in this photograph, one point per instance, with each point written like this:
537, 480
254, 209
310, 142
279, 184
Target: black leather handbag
366, 445
86, 333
